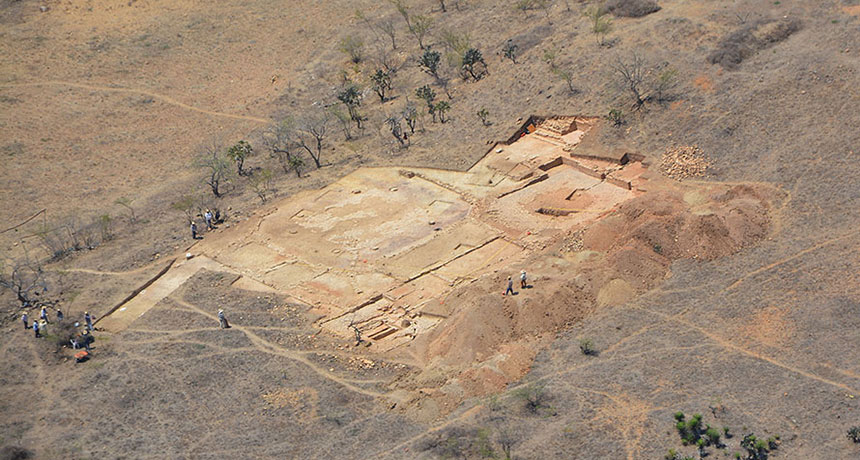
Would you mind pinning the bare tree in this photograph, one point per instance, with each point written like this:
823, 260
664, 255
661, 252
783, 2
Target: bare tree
279, 140
410, 114
386, 59
507, 439
215, 163
601, 23
59, 240
344, 120
566, 75
403, 9
24, 277
632, 74
126, 202
420, 27
261, 183
387, 27
312, 132
393, 123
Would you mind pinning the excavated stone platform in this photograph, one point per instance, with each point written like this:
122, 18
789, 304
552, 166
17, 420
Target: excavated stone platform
379, 249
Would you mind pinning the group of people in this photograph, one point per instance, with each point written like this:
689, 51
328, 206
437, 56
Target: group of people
82, 340
209, 218
523, 283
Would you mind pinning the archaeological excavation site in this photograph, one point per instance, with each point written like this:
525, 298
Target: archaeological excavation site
397, 259
430, 229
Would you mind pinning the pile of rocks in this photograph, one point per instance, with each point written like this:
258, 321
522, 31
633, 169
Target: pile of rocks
684, 161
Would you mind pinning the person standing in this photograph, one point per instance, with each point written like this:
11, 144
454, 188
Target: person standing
26, 320
59, 315
193, 230
87, 339
43, 313
89, 320
510, 287
222, 320
523, 283
36, 329
208, 218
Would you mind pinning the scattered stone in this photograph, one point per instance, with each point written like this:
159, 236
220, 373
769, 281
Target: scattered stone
684, 161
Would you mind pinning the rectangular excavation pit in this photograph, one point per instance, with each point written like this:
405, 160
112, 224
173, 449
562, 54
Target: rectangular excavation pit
252, 257
444, 246
365, 317
337, 290
289, 275
494, 254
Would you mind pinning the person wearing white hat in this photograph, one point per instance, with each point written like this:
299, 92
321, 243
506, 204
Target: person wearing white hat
89, 320
523, 279
26, 320
222, 319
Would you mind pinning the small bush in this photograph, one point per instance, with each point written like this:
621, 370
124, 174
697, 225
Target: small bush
353, 47
632, 8
854, 434
615, 117
15, 453
534, 396
510, 51
483, 114
586, 346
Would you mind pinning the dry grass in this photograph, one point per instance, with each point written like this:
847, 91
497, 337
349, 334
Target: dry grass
745, 42
632, 8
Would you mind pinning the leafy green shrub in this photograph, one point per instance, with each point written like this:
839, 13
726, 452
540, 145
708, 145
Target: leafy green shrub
442, 108
381, 83
483, 114
534, 396
615, 117
429, 62
473, 64
854, 433
586, 346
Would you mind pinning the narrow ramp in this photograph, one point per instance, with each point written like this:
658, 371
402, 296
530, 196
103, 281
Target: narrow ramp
127, 313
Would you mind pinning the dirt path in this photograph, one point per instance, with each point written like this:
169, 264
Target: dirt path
731, 346
265, 346
90, 271
794, 256
161, 97
161, 288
